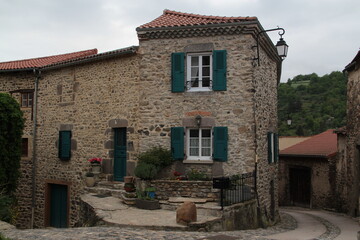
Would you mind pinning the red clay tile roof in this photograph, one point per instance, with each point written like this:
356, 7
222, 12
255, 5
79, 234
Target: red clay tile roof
321, 145
351, 65
176, 19
44, 61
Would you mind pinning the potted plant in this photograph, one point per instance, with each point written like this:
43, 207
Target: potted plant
89, 179
146, 200
129, 187
95, 164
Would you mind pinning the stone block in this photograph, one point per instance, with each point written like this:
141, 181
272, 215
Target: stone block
186, 213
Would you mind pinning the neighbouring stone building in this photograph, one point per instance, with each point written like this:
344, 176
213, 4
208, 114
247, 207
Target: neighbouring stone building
307, 172
350, 164
191, 85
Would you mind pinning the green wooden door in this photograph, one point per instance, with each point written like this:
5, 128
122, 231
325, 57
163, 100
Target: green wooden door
58, 205
119, 154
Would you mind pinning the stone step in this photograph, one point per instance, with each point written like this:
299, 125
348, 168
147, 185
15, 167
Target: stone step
105, 191
111, 185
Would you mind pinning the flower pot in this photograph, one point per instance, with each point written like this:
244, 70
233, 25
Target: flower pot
89, 181
95, 168
128, 179
147, 204
129, 187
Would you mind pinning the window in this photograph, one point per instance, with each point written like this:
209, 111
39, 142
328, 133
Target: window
204, 71
27, 99
199, 72
24, 147
64, 145
199, 144
273, 147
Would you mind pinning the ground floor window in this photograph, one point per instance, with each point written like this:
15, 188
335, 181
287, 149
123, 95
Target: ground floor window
199, 144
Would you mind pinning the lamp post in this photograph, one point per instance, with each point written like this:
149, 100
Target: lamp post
281, 46
288, 120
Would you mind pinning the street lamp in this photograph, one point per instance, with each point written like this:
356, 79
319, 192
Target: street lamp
281, 46
289, 120
198, 120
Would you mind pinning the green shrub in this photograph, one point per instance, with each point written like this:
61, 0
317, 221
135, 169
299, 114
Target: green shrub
11, 127
3, 238
146, 171
6, 203
196, 175
157, 156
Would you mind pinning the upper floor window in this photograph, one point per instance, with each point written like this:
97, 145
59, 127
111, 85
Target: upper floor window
204, 71
199, 72
27, 99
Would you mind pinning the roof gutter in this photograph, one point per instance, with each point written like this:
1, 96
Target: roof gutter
101, 56
37, 74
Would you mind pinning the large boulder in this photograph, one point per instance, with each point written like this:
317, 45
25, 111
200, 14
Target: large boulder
186, 213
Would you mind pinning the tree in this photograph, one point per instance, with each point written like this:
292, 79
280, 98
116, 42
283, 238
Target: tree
11, 129
314, 104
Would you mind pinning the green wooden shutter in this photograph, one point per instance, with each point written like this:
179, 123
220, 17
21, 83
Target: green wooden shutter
276, 147
270, 147
177, 72
220, 144
219, 70
177, 143
64, 145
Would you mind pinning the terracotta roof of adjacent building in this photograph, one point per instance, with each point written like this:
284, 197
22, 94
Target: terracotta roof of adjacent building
44, 61
351, 65
321, 145
175, 19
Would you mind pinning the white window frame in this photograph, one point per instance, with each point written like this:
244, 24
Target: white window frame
188, 72
200, 158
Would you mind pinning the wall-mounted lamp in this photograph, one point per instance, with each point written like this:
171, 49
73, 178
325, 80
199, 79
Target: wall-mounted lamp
281, 46
198, 120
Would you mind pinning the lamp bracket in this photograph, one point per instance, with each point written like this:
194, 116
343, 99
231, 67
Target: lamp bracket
281, 33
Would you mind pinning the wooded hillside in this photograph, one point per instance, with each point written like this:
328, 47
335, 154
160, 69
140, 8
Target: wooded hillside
314, 104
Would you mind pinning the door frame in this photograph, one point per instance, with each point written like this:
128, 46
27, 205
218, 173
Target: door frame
48, 184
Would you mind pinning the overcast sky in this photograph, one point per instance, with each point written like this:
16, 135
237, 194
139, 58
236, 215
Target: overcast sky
323, 35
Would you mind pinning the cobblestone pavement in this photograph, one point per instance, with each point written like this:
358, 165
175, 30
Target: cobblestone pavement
288, 223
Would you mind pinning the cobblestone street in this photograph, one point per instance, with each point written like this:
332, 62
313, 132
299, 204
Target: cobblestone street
295, 225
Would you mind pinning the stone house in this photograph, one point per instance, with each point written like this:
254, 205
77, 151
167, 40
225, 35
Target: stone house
191, 86
307, 172
349, 166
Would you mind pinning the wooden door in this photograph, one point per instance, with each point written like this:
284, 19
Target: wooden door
58, 205
300, 186
119, 154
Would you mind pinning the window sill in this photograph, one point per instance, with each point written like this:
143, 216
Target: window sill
198, 161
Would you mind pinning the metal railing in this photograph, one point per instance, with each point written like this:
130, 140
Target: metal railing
241, 189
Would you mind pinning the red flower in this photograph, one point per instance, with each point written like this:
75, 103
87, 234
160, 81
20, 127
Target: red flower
176, 174
95, 160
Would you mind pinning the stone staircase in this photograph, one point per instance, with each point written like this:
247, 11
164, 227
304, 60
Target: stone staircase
108, 203
106, 188
116, 189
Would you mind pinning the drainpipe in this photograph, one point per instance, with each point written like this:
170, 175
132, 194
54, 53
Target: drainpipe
37, 74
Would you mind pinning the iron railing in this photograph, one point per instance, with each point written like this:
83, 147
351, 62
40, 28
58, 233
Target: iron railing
241, 189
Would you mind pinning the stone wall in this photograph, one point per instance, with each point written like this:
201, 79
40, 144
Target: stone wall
322, 195
193, 189
232, 108
89, 100
265, 120
351, 172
